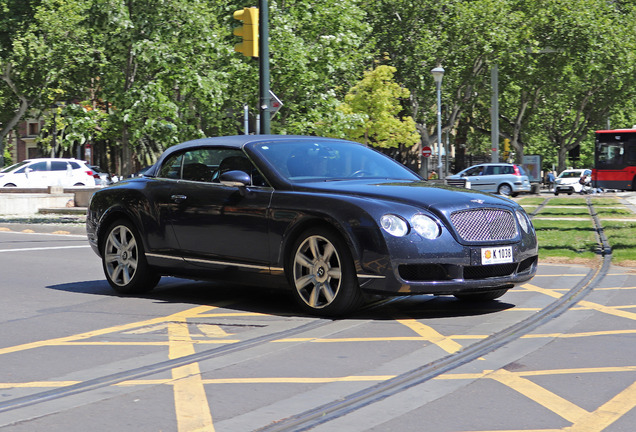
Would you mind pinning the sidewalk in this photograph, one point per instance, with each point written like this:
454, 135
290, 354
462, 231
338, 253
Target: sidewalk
72, 220
49, 221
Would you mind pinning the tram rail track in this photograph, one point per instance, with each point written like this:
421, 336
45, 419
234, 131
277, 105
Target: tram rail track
330, 411
147, 370
355, 401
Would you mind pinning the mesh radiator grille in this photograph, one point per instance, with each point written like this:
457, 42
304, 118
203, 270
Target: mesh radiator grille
484, 224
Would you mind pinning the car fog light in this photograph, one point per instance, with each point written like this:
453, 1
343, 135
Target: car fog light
523, 220
425, 226
394, 225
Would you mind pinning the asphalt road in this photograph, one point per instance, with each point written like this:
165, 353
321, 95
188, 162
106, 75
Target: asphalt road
200, 356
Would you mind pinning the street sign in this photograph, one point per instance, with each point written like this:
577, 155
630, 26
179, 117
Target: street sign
426, 151
275, 103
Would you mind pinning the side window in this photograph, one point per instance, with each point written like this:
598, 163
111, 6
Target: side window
58, 166
38, 166
478, 170
631, 154
74, 165
171, 167
490, 170
207, 164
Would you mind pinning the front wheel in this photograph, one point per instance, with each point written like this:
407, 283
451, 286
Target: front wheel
481, 295
322, 274
124, 261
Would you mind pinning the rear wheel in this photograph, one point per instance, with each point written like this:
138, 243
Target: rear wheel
124, 261
322, 274
504, 189
481, 295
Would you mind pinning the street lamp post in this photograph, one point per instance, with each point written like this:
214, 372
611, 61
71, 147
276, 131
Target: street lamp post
438, 74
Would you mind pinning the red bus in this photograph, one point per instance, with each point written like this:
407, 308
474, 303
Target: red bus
615, 159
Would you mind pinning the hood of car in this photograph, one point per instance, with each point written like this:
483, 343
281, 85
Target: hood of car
568, 180
418, 193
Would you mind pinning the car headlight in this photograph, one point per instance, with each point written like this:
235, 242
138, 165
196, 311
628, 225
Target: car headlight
394, 225
425, 226
523, 220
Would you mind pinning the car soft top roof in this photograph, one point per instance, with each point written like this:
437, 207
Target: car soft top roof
239, 141
234, 141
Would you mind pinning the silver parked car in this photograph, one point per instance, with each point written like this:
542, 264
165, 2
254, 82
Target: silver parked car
502, 178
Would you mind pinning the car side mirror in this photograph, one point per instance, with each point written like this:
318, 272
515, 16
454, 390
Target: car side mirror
235, 178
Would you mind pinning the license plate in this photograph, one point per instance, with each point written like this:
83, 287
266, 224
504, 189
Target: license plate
496, 255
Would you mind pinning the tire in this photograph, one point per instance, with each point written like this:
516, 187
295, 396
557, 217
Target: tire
504, 189
556, 193
482, 295
9, 185
322, 275
78, 184
124, 260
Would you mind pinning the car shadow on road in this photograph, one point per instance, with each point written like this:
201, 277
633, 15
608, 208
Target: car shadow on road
279, 302
429, 306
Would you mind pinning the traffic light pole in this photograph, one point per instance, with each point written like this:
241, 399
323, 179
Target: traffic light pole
263, 58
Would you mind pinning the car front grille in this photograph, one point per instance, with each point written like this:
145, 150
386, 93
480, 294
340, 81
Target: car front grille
484, 224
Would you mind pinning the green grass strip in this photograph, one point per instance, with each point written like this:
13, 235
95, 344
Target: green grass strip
563, 238
622, 238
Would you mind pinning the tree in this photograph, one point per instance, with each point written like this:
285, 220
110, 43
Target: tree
155, 69
317, 52
578, 66
42, 46
377, 97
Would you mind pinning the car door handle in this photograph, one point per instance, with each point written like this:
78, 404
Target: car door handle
178, 198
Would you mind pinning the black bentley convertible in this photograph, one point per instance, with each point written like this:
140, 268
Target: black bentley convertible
328, 218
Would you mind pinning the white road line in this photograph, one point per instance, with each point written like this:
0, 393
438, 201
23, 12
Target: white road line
43, 248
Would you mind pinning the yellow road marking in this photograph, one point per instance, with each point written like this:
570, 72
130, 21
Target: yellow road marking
191, 402
540, 395
212, 331
157, 343
430, 334
608, 413
115, 329
609, 310
350, 378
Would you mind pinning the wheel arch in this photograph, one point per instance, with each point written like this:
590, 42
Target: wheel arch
504, 184
306, 223
109, 217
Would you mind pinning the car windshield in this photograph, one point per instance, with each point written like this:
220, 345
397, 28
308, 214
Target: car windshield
324, 160
14, 167
570, 174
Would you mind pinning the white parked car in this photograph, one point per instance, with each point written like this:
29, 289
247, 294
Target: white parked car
43, 172
569, 181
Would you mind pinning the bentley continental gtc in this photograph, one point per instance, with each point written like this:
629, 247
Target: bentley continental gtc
328, 219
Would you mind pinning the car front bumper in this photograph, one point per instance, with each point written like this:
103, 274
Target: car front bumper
417, 267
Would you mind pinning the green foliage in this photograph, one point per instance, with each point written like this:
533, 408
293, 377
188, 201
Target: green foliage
161, 72
376, 101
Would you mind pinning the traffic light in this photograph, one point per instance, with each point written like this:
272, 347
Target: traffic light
507, 145
248, 31
506, 149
